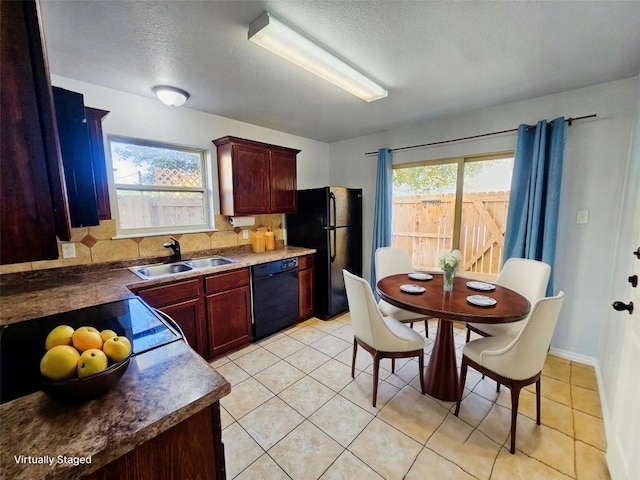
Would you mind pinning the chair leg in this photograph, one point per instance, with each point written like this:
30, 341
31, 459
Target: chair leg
426, 327
411, 324
463, 379
515, 398
421, 367
468, 334
498, 387
393, 365
353, 361
376, 367
538, 401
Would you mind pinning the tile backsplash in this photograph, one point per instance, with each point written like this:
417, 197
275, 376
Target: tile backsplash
97, 245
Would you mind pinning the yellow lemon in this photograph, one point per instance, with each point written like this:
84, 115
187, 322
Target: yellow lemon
61, 335
92, 361
59, 363
107, 334
117, 348
85, 338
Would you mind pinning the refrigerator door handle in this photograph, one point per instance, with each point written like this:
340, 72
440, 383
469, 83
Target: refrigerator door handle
333, 213
332, 244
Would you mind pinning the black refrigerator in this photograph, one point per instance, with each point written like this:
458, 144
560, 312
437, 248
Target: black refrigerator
329, 219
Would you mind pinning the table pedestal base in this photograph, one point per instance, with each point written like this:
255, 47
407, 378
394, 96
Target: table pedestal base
441, 377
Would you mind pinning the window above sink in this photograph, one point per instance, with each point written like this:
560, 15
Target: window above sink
158, 187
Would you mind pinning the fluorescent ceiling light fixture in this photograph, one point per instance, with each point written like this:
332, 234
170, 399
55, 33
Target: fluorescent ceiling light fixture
281, 39
171, 96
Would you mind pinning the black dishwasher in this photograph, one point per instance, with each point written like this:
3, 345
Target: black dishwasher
275, 296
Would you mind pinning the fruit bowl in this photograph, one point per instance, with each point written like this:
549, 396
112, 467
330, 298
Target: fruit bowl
79, 389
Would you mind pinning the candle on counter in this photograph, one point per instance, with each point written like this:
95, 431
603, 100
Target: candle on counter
258, 242
269, 240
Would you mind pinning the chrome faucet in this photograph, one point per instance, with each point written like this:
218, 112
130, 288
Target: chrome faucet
174, 245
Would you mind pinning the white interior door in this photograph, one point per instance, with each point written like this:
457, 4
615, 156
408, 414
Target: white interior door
623, 455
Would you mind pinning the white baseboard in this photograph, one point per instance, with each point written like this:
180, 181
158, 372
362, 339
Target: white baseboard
575, 357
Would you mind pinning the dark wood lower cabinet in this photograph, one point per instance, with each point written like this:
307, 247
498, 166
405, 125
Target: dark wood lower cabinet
191, 450
183, 302
189, 316
228, 320
306, 302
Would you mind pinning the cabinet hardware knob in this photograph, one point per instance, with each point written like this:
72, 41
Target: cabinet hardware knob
620, 306
633, 280
637, 253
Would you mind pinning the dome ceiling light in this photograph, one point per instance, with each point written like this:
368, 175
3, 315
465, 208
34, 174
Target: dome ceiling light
172, 96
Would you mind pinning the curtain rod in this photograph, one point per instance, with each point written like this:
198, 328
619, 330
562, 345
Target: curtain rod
568, 120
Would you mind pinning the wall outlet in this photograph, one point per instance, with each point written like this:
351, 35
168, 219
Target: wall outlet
245, 234
582, 217
68, 250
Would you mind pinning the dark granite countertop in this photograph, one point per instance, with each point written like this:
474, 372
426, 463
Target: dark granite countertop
38, 294
161, 388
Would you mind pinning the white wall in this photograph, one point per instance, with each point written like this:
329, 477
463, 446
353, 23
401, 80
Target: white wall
596, 153
149, 119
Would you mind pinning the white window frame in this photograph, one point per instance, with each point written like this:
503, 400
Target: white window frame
205, 190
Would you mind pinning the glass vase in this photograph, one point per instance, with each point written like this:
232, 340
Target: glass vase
447, 279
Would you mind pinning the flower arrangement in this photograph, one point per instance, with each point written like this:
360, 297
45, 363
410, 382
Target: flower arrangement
449, 261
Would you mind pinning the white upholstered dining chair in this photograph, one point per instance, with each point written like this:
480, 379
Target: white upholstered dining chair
515, 362
527, 277
382, 337
391, 261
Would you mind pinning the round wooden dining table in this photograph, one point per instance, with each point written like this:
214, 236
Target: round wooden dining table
441, 376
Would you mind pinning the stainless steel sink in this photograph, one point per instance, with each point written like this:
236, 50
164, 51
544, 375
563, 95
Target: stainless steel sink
154, 271
147, 272
210, 262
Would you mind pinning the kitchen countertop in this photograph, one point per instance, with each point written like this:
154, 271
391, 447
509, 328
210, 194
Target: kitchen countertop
161, 388
56, 293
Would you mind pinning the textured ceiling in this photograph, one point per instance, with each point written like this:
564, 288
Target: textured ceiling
435, 58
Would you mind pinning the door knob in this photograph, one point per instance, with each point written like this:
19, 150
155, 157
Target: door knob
633, 280
620, 306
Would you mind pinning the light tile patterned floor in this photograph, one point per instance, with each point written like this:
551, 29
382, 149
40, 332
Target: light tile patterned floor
294, 412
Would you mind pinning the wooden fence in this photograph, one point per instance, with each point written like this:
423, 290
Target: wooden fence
148, 212
423, 225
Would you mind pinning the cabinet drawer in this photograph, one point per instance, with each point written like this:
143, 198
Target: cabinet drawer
305, 262
171, 294
226, 281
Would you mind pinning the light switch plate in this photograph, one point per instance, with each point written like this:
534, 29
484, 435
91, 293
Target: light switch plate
245, 234
68, 250
582, 217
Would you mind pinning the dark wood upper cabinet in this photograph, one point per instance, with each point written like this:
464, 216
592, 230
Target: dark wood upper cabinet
75, 147
33, 205
255, 177
96, 142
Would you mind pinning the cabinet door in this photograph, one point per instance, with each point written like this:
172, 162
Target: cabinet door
305, 284
228, 320
189, 316
191, 449
75, 147
33, 200
94, 123
250, 180
283, 182
183, 302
